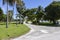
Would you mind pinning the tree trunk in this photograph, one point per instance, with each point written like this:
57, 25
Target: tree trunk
19, 19
37, 21
54, 22
13, 12
7, 17
16, 16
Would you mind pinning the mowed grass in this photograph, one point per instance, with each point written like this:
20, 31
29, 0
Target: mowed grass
12, 31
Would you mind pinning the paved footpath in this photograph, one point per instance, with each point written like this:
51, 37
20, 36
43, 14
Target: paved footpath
41, 33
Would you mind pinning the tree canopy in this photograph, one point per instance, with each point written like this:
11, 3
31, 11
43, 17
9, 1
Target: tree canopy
2, 16
53, 11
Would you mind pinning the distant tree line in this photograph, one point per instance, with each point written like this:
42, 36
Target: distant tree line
50, 13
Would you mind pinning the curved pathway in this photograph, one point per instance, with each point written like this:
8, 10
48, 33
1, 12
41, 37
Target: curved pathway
39, 32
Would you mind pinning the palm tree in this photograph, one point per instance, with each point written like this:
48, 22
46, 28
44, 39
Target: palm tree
10, 2
39, 14
20, 8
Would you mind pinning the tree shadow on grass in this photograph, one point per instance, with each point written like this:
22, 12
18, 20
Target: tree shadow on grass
17, 23
2, 24
13, 23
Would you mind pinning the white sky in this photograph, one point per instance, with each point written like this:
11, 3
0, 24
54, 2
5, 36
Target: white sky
56, 0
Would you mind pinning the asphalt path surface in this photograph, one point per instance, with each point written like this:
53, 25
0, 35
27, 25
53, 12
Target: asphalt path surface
38, 32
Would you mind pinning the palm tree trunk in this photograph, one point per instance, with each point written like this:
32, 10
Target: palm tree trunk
16, 15
13, 13
7, 17
20, 18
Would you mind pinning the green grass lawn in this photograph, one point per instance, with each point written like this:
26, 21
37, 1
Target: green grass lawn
12, 31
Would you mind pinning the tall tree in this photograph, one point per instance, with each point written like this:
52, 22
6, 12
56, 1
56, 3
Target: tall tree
39, 14
10, 2
20, 8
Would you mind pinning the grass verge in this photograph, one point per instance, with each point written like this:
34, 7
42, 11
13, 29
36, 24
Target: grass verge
12, 31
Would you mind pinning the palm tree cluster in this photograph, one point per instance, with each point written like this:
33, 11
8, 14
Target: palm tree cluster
11, 3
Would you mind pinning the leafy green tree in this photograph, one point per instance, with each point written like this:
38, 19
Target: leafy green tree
53, 12
31, 14
2, 16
